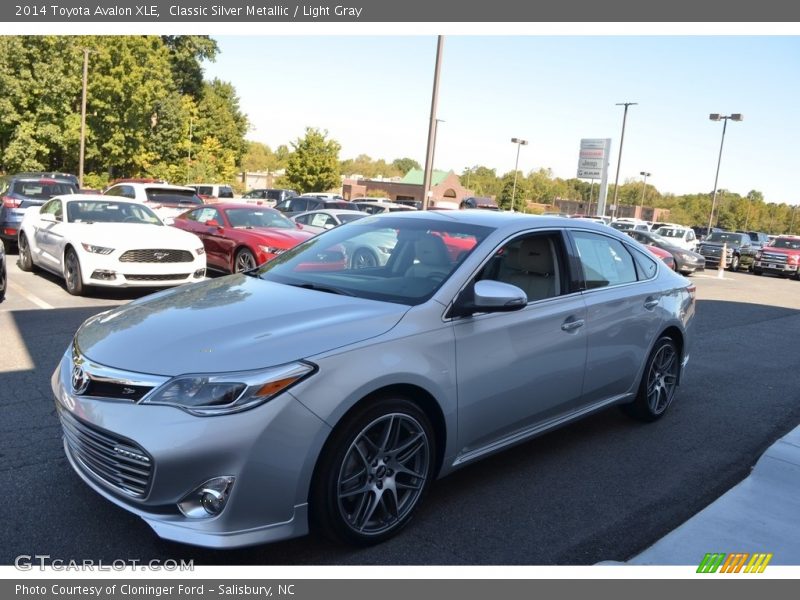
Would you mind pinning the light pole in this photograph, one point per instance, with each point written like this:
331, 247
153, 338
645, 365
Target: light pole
644, 187
791, 226
519, 142
619, 158
718, 117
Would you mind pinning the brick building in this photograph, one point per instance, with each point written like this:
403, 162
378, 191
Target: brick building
446, 188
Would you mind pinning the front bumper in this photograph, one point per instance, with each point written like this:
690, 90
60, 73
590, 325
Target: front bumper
267, 449
108, 271
777, 268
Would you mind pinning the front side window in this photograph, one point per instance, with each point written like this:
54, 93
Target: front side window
53, 208
532, 263
605, 260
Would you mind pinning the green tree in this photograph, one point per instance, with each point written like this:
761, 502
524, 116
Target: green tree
220, 117
186, 53
259, 158
404, 165
314, 164
507, 192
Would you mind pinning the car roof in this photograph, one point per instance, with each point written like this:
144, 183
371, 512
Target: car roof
331, 211
160, 186
227, 205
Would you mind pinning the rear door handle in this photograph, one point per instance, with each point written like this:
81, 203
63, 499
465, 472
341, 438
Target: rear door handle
651, 302
572, 324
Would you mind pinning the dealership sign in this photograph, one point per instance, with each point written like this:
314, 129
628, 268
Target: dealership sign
593, 158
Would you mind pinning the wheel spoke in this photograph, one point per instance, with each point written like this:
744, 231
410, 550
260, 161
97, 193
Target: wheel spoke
364, 489
390, 503
387, 435
408, 486
364, 515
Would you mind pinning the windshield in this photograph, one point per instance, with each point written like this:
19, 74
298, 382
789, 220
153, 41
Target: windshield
254, 217
788, 243
104, 211
385, 258
43, 189
622, 226
724, 237
170, 196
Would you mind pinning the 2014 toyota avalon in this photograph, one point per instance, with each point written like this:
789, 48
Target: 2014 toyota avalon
248, 408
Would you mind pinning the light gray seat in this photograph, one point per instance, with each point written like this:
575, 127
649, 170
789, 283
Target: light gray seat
430, 258
532, 268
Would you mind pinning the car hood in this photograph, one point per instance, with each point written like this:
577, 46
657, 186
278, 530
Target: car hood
133, 235
285, 238
773, 250
232, 323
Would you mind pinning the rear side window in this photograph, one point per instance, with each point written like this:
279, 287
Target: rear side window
645, 265
225, 192
606, 262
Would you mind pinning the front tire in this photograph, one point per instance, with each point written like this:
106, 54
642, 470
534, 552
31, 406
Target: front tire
72, 273
245, 261
374, 472
659, 382
363, 258
734, 264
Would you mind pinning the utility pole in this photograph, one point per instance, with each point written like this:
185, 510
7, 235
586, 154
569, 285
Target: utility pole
83, 115
426, 183
619, 159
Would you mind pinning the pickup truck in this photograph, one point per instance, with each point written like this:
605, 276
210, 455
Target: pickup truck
739, 250
781, 257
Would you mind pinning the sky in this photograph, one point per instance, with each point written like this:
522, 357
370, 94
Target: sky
373, 95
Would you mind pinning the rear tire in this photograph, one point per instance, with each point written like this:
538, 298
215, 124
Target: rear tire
659, 382
373, 472
25, 260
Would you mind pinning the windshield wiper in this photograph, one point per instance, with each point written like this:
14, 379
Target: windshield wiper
322, 288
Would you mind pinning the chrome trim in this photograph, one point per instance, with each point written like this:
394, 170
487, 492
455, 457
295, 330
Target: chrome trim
109, 375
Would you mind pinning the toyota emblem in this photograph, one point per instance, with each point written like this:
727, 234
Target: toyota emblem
80, 380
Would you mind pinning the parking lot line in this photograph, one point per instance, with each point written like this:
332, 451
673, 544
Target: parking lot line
30, 297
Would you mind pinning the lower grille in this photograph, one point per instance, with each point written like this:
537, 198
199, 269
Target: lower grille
169, 277
156, 256
118, 462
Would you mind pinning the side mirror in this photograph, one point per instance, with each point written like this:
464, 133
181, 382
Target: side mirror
298, 224
488, 296
328, 226
213, 223
47, 218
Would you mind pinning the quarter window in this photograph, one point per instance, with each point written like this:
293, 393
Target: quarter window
605, 260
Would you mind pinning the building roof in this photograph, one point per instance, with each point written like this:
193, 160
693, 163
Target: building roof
416, 176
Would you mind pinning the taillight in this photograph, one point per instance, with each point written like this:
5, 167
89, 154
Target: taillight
11, 202
692, 289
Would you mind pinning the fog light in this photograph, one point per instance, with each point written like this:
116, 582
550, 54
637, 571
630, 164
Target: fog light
207, 500
199, 273
104, 275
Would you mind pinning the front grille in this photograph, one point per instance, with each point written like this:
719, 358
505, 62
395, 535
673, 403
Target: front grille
170, 277
772, 257
118, 462
156, 256
116, 390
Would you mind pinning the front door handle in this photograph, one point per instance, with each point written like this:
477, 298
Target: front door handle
651, 302
572, 324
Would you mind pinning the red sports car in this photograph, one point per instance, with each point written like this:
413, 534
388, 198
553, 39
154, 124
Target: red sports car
239, 237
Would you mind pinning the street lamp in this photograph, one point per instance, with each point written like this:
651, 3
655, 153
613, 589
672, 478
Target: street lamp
519, 142
644, 187
619, 159
86, 52
718, 117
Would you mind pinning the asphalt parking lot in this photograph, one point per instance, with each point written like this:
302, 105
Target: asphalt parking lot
602, 489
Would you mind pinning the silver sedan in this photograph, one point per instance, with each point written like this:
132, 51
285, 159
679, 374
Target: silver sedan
246, 409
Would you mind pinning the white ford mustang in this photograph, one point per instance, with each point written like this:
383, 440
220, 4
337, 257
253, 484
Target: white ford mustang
95, 240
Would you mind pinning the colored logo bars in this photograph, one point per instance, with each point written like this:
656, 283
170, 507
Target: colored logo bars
734, 563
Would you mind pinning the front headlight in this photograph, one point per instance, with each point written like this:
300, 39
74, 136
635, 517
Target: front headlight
225, 393
97, 249
685, 256
272, 249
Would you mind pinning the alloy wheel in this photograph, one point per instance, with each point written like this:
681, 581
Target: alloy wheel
383, 474
662, 379
245, 261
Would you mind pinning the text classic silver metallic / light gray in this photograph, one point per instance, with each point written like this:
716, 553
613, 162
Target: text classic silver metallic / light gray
312, 392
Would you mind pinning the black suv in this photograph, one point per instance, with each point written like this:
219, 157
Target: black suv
757, 238
740, 251
18, 192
